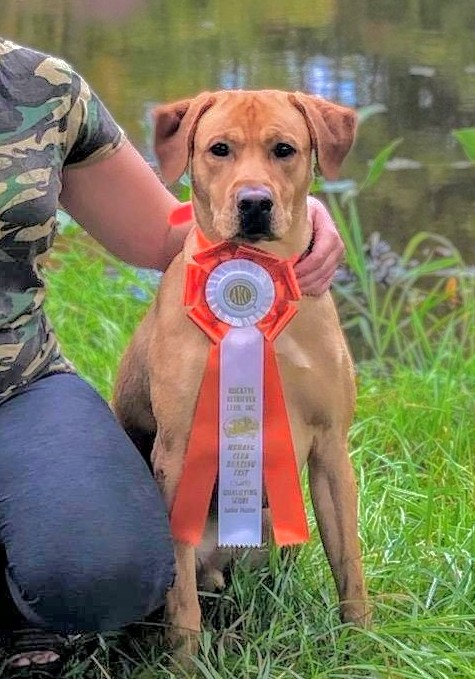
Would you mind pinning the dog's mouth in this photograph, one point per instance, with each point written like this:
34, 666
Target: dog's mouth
246, 237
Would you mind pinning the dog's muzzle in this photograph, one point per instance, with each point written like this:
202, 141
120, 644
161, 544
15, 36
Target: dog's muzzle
254, 204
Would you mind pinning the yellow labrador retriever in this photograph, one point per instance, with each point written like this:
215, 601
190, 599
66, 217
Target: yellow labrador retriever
250, 155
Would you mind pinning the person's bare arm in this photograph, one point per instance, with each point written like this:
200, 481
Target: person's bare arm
123, 205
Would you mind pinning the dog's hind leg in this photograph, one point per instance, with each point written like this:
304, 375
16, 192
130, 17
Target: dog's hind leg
333, 491
131, 398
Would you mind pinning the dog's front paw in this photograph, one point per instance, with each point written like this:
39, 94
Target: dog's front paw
184, 644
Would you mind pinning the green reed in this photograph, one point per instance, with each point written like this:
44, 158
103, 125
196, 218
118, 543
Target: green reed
425, 314
414, 319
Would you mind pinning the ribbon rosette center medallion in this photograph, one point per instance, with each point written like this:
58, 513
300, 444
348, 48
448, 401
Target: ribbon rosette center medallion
241, 298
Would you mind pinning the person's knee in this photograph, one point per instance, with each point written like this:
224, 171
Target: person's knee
93, 592
84, 524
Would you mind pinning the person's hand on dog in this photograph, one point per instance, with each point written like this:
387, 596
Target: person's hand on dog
316, 270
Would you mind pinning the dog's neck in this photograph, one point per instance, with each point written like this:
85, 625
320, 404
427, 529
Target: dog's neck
309, 247
197, 241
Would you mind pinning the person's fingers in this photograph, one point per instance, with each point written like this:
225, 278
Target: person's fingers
326, 253
315, 287
324, 256
316, 270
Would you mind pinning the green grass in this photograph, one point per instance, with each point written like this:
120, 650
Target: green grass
412, 447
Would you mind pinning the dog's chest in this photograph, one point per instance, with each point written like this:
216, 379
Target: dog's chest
314, 366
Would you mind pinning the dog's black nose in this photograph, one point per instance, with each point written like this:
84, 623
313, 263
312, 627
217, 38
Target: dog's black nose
254, 205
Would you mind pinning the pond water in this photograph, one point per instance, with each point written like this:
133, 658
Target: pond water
415, 57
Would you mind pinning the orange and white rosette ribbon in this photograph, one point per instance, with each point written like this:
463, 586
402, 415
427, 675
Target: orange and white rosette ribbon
241, 298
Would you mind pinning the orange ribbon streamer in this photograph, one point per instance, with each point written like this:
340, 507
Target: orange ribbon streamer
281, 478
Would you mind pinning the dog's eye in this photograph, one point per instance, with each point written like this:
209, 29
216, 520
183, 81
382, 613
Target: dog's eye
282, 150
220, 149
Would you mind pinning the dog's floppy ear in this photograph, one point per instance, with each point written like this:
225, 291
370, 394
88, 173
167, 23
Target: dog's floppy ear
332, 130
175, 126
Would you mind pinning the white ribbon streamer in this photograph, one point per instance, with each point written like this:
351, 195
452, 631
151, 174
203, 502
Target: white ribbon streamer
240, 438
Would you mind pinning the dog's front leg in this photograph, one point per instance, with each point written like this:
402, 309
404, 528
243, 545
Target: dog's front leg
182, 606
333, 491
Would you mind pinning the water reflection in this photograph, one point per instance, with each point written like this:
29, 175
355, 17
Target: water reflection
105, 10
417, 57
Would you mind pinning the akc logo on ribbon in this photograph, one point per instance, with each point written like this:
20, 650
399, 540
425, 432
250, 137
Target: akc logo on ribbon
240, 297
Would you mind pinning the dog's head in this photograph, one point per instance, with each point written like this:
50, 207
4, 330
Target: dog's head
250, 154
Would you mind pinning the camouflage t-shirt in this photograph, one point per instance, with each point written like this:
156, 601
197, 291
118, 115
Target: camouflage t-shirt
49, 118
